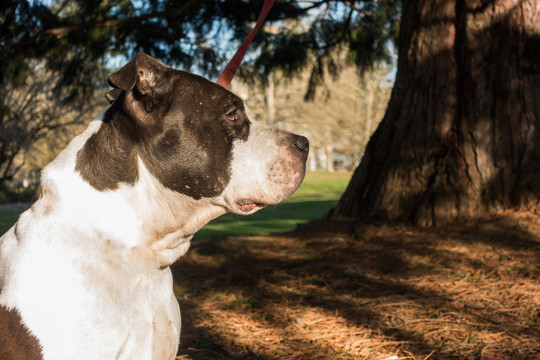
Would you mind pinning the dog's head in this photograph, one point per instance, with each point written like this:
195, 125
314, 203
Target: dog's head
195, 138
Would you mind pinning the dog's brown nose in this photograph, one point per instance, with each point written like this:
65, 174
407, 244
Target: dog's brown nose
301, 143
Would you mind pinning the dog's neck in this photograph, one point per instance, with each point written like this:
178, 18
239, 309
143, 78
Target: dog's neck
145, 219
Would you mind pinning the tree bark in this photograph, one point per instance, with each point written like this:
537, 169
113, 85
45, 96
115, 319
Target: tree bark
270, 99
330, 158
461, 137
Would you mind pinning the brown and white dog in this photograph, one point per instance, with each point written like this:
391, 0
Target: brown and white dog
86, 269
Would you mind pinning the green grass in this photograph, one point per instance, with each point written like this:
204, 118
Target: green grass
319, 192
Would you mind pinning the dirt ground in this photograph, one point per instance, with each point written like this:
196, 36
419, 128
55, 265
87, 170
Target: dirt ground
340, 290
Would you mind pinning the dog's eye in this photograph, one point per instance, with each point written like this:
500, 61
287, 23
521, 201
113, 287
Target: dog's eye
232, 115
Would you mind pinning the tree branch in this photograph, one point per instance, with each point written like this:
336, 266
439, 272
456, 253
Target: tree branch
63, 31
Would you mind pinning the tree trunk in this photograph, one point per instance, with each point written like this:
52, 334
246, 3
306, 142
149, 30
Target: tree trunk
330, 158
370, 103
461, 135
270, 103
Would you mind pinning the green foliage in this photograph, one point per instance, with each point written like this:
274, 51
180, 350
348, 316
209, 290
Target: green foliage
369, 35
362, 29
76, 38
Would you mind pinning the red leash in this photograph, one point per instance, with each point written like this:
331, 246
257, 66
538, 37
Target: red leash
230, 70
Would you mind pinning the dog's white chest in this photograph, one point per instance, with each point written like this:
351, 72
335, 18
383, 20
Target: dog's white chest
99, 305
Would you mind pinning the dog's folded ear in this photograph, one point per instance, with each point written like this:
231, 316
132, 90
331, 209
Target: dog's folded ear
112, 95
125, 78
144, 74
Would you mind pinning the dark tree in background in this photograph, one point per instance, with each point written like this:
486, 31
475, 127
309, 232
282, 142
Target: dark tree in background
461, 136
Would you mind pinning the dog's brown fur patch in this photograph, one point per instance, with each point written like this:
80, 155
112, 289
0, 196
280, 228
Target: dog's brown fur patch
16, 341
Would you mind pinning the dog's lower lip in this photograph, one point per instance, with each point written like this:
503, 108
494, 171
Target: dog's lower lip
246, 205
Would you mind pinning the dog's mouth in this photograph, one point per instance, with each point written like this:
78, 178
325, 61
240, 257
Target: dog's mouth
249, 205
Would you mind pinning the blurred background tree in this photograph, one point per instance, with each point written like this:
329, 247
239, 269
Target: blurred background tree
338, 120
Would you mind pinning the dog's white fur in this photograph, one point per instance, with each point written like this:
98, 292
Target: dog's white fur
80, 254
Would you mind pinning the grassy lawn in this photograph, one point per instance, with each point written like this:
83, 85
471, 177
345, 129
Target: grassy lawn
319, 193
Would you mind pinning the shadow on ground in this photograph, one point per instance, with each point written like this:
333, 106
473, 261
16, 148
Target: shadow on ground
339, 290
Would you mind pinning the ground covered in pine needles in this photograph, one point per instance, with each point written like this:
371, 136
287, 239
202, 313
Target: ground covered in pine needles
339, 290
